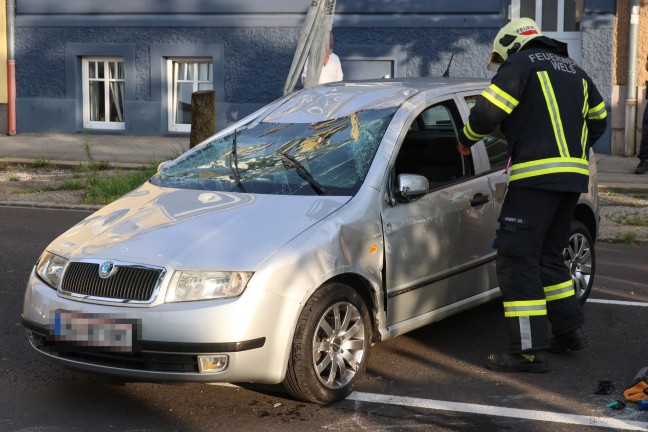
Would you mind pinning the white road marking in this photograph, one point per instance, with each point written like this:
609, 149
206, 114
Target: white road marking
618, 302
222, 384
545, 416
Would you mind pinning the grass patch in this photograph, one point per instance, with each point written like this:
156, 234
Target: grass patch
21, 191
4, 166
627, 238
70, 184
637, 220
100, 185
634, 204
94, 166
101, 190
630, 219
41, 164
104, 190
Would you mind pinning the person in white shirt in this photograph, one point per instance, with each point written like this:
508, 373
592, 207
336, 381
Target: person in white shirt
332, 69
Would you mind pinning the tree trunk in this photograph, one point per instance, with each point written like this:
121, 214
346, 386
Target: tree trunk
203, 116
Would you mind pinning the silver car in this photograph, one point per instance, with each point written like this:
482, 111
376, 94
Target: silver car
281, 249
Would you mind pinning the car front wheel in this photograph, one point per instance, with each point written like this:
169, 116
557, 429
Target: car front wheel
580, 259
331, 345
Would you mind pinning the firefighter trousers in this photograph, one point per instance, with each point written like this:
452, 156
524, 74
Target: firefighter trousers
536, 285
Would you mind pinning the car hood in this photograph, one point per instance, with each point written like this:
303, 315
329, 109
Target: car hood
193, 229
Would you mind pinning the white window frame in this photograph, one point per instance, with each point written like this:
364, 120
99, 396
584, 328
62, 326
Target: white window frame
571, 38
171, 88
106, 123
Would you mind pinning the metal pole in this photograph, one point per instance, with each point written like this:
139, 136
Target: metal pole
315, 31
303, 46
11, 70
631, 84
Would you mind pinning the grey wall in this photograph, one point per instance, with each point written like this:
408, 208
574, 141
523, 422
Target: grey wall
597, 51
255, 65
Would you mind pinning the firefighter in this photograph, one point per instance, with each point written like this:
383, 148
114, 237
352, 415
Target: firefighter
551, 113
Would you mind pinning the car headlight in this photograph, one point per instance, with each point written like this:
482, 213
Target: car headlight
191, 285
50, 268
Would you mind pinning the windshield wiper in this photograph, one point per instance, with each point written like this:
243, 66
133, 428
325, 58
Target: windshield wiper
303, 173
233, 164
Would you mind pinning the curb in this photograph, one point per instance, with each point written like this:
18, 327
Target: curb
73, 163
51, 205
610, 240
630, 188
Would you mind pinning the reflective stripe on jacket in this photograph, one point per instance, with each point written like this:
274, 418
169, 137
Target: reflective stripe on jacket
550, 111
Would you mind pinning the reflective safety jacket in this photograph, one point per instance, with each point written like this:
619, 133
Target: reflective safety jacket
550, 112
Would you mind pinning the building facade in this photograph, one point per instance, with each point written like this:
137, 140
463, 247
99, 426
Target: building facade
124, 67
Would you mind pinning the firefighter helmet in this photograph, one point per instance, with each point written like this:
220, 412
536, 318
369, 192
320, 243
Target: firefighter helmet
510, 39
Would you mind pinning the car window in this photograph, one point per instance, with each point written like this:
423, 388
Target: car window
496, 145
497, 151
437, 118
430, 149
330, 157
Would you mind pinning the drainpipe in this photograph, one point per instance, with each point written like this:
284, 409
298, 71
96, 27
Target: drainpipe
631, 99
11, 70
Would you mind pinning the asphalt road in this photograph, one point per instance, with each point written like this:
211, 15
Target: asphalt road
431, 379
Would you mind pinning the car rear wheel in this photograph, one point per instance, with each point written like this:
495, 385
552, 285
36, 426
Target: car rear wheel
580, 259
331, 345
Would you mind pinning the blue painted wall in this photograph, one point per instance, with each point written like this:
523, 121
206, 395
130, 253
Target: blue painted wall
252, 53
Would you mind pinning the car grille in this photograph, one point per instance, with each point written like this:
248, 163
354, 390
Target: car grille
127, 283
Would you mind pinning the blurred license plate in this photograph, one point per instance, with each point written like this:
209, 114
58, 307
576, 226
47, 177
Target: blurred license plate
101, 332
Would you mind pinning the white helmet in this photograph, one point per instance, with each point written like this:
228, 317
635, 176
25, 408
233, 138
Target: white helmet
510, 39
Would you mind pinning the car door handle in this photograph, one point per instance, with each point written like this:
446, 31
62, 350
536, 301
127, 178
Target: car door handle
479, 199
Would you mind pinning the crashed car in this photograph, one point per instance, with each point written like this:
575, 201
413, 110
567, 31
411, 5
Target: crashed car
282, 248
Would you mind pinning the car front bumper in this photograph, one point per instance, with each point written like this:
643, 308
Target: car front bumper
171, 337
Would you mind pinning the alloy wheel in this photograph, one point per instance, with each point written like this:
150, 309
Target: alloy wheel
338, 345
578, 258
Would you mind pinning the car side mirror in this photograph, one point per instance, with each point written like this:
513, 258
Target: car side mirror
410, 187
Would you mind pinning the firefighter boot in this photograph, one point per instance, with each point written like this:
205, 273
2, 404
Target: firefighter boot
524, 362
571, 341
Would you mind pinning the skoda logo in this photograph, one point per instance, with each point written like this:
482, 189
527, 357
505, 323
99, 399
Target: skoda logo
106, 269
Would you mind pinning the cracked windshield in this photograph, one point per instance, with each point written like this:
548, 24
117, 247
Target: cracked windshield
330, 157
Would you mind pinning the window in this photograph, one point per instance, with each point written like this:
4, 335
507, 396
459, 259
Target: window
437, 118
558, 19
103, 93
430, 147
186, 77
496, 145
497, 151
330, 157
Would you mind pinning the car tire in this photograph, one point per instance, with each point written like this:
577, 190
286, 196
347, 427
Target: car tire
331, 345
580, 258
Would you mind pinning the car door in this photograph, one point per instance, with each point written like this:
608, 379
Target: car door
438, 250
492, 151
